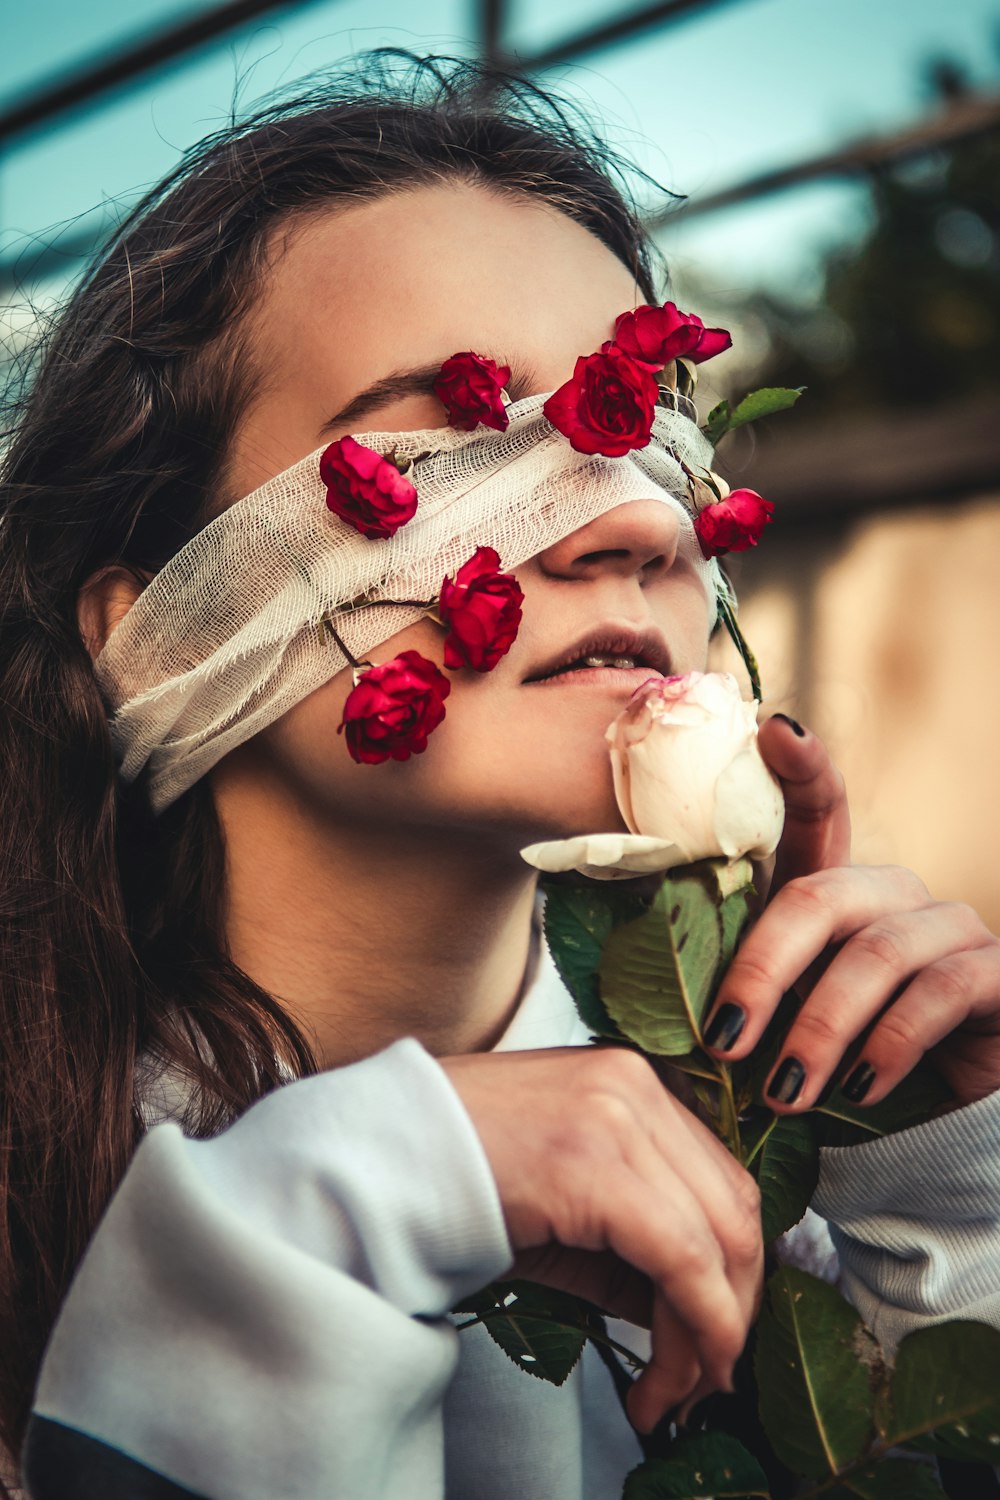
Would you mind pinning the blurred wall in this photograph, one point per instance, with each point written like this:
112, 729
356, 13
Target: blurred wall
881, 634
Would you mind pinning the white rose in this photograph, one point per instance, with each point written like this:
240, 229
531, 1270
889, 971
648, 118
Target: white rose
689, 779
687, 768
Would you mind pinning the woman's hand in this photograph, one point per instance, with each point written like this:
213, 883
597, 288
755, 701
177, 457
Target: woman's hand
885, 970
613, 1191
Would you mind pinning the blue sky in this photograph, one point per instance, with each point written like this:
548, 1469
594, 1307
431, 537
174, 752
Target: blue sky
732, 90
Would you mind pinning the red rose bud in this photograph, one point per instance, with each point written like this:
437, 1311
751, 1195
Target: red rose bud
393, 709
656, 335
365, 489
608, 406
469, 388
482, 610
732, 524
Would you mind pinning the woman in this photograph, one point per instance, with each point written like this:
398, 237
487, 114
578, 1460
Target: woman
261, 1310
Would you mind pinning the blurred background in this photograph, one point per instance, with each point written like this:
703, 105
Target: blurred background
839, 162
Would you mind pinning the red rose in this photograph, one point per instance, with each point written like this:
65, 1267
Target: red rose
393, 709
608, 406
656, 335
469, 388
366, 490
733, 524
482, 610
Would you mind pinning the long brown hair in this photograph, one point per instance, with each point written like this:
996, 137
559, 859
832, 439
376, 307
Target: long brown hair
111, 921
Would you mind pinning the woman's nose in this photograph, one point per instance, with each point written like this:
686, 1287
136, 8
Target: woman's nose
637, 538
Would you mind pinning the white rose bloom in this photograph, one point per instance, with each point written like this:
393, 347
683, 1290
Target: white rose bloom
689, 779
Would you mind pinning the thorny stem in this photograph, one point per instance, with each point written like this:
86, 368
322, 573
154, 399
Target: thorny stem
352, 660
326, 623
365, 602
740, 642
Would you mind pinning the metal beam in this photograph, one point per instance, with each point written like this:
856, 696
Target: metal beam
491, 28
102, 74
611, 33
970, 115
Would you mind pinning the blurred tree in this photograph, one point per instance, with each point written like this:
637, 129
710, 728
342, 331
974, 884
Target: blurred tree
912, 315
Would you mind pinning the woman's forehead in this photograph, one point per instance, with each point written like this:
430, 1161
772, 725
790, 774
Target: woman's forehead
355, 295
415, 275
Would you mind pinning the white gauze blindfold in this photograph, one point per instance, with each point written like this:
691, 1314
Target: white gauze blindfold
228, 635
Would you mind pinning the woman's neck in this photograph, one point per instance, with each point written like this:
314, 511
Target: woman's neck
365, 938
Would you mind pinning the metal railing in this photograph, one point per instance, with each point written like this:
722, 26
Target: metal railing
967, 116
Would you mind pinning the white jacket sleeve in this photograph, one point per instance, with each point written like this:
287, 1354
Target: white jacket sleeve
915, 1218
261, 1314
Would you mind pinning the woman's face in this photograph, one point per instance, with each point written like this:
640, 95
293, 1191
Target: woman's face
379, 289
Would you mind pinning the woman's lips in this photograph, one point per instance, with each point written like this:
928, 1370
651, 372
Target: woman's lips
623, 680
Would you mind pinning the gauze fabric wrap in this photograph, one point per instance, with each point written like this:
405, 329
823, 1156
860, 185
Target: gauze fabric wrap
227, 636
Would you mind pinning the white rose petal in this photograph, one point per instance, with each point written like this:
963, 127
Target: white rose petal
687, 769
689, 780
749, 807
605, 856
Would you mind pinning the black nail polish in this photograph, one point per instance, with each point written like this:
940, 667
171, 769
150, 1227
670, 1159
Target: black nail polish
856, 1086
787, 1082
793, 724
724, 1027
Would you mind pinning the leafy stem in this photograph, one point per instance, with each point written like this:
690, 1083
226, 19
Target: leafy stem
872, 1455
759, 1144
729, 1119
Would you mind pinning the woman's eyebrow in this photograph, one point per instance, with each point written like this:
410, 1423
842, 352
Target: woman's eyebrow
416, 382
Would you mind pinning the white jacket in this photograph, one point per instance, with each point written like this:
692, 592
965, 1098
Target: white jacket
265, 1314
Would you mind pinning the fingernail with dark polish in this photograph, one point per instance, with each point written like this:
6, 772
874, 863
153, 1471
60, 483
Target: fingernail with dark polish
793, 724
724, 1027
787, 1082
860, 1081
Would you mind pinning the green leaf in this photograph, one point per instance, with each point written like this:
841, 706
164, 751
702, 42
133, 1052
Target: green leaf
578, 922
657, 974
786, 1168
840, 1123
706, 1466
717, 422
543, 1331
945, 1392
734, 914
763, 403
892, 1479
814, 1366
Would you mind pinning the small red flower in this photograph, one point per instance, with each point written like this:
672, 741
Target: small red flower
469, 387
733, 524
482, 610
656, 335
608, 406
365, 489
393, 709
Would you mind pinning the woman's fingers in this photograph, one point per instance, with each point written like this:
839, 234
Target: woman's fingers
817, 832
731, 1202
590, 1153
951, 1008
797, 932
671, 1240
870, 978
884, 965
665, 1382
